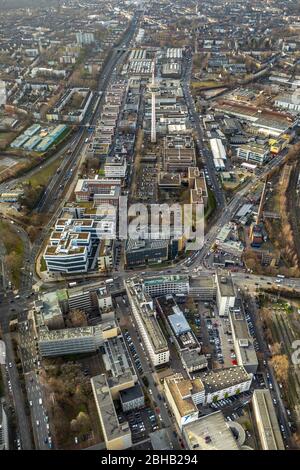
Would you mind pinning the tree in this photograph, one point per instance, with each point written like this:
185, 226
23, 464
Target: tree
77, 318
280, 364
276, 349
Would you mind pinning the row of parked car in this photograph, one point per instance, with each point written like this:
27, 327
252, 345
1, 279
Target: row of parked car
133, 352
252, 331
214, 338
229, 401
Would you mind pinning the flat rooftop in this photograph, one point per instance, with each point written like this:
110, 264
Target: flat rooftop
225, 285
266, 416
181, 390
143, 305
106, 408
210, 432
220, 379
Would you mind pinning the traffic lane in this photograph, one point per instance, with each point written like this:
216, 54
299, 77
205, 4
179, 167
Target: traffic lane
38, 415
23, 422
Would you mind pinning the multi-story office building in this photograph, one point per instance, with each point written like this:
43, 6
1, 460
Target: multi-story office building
99, 229
223, 383
72, 340
266, 421
68, 252
100, 191
197, 186
116, 436
145, 317
183, 396
210, 432
115, 167
163, 285
254, 153
142, 252
225, 294
132, 398
192, 361
203, 288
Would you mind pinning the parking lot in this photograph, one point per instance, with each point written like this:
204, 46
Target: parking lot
133, 352
147, 183
141, 422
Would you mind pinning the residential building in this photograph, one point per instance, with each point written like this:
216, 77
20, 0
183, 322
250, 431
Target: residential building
145, 318
266, 421
116, 436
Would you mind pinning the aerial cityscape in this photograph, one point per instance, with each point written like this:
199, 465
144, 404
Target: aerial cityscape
150, 225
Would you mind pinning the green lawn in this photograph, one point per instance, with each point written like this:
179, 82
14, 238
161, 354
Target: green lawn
14, 251
43, 266
211, 205
42, 177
